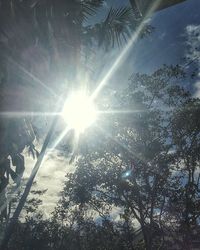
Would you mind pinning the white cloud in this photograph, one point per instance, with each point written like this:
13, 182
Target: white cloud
193, 51
197, 89
193, 42
51, 176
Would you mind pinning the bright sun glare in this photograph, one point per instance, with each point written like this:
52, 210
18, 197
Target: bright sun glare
79, 112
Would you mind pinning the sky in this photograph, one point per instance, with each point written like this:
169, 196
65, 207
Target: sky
176, 35
168, 44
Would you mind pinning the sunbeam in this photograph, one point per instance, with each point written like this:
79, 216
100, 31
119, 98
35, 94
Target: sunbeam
34, 78
24, 113
59, 139
75, 142
123, 54
133, 156
113, 111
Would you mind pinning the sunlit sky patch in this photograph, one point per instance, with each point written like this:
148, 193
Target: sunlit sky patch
79, 111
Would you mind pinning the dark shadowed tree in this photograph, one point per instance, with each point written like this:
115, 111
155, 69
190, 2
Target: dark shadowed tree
132, 165
41, 43
136, 182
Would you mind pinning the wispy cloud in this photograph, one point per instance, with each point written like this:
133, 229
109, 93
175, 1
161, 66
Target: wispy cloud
193, 51
197, 89
51, 176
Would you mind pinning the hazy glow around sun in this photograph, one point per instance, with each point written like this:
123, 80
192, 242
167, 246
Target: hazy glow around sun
79, 112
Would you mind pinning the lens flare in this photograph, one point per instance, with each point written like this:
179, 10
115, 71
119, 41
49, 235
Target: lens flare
79, 112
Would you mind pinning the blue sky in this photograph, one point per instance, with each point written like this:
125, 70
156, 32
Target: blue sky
168, 44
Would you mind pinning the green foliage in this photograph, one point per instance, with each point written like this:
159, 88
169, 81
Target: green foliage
135, 186
41, 41
145, 165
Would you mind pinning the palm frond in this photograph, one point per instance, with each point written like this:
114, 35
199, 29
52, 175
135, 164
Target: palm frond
76, 10
90, 7
116, 28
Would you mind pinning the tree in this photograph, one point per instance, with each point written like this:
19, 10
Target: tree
135, 185
41, 44
185, 200
56, 33
131, 166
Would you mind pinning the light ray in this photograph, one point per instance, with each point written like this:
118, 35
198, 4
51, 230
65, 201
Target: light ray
119, 111
148, 109
113, 139
75, 143
123, 54
25, 113
8, 199
37, 80
133, 156
59, 139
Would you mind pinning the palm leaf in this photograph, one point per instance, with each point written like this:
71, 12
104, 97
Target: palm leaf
89, 7
118, 25
115, 29
74, 10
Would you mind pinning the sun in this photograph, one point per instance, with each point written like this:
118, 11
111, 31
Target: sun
79, 112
